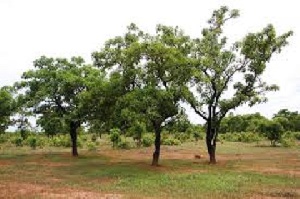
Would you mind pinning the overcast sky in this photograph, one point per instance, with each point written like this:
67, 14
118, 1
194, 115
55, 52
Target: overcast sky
64, 28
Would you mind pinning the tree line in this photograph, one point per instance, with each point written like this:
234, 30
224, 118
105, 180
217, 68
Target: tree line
138, 80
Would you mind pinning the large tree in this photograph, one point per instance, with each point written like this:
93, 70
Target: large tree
219, 67
151, 74
59, 88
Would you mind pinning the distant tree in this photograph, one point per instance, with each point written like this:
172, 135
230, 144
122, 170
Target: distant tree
216, 66
290, 120
7, 107
273, 131
59, 87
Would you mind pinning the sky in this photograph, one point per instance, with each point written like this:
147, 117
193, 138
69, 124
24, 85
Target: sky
65, 28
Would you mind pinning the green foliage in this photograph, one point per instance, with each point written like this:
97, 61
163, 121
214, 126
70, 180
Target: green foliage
17, 141
4, 138
124, 144
273, 131
94, 137
297, 135
147, 140
246, 137
7, 107
115, 137
182, 136
287, 140
91, 146
60, 141
170, 141
36, 141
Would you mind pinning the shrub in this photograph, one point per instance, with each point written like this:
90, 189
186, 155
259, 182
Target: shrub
171, 141
249, 137
32, 142
60, 141
83, 137
3, 138
197, 135
124, 144
182, 136
296, 135
91, 146
115, 136
231, 137
287, 140
147, 140
94, 138
18, 141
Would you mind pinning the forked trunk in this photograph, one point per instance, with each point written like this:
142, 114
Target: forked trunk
157, 146
73, 133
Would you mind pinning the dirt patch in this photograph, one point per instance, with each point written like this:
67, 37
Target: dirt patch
5, 163
26, 190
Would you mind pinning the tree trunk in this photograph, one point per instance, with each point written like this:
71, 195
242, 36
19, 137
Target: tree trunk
157, 146
211, 143
73, 133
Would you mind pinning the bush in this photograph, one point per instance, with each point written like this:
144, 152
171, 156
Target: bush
197, 135
115, 137
91, 146
124, 144
18, 141
231, 137
287, 140
171, 142
94, 138
60, 141
296, 135
249, 137
32, 142
3, 138
182, 136
147, 140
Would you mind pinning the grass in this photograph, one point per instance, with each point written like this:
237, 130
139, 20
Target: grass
243, 171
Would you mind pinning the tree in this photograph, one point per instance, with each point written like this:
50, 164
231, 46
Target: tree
290, 120
7, 107
151, 74
273, 131
218, 66
59, 87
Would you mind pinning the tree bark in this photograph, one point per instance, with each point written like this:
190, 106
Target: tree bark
211, 142
73, 133
157, 145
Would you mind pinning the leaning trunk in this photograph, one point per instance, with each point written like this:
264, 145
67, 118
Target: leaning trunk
157, 146
73, 134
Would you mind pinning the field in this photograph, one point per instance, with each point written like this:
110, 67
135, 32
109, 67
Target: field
243, 171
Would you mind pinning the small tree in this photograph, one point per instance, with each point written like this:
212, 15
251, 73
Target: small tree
273, 131
115, 137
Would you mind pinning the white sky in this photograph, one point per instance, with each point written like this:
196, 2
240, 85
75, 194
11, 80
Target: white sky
63, 28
